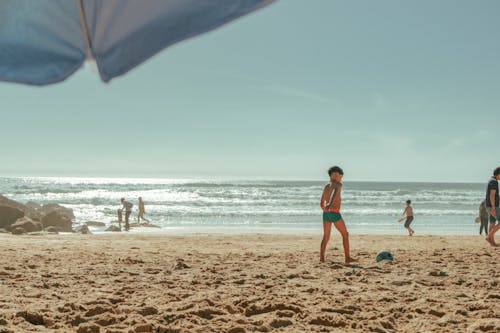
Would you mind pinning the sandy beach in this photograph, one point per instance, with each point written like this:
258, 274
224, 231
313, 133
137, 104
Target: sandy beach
246, 283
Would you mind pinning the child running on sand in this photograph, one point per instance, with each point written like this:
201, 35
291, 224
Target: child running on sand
330, 204
409, 217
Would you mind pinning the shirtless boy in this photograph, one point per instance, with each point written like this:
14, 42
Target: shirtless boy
409, 217
330, 204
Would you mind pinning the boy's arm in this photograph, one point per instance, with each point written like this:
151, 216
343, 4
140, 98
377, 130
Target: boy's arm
322, 202
492, 202
404, 212
336, 190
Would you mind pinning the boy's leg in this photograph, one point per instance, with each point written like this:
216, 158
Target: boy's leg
327, 228
491, 235
494, 226
407, 226
340, 226
491, 227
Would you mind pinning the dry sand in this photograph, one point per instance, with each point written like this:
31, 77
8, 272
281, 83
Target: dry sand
250, 283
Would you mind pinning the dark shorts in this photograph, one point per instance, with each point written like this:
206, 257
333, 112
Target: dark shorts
331, 216
409, 219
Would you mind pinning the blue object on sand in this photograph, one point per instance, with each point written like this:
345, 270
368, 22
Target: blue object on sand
384, 255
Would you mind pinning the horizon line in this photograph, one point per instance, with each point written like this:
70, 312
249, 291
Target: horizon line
240, 178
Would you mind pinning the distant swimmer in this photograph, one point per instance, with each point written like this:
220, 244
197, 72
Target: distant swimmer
330, 204
408, 212
141, 211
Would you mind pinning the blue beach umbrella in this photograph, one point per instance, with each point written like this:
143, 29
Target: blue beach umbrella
45, 41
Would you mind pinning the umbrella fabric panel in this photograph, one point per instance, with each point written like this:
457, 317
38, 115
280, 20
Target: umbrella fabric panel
40, 41
43, 42
124, 33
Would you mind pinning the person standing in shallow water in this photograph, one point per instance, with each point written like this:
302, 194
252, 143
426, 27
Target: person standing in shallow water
127, 206
408, 212
330, 204
142, 210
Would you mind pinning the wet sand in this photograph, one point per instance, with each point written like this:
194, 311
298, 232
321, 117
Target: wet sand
247, 283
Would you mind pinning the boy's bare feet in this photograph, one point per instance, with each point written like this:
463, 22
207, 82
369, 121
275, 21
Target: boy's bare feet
348, 260
491, 241
322, 259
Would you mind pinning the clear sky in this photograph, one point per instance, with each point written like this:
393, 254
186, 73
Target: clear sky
389, 90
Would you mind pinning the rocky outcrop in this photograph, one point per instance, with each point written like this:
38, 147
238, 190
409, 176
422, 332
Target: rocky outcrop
9, 215
33, 205
33, 211
28, 210
52, 230
83, 229
53, 215
61, 210
95, 224
113, 228
17, 231
58, 220
10, 211
27, 224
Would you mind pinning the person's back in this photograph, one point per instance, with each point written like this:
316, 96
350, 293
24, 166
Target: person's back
128, 206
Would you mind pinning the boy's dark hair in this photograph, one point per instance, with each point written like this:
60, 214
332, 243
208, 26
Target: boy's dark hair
408, 201
496, 171
334, 169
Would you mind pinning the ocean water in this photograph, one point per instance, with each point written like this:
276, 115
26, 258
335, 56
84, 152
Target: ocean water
238, 206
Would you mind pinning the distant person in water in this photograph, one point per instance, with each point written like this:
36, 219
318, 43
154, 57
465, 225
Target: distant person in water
492, 203
141, 211
127, 206
330, 204
408, 212
483, 218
